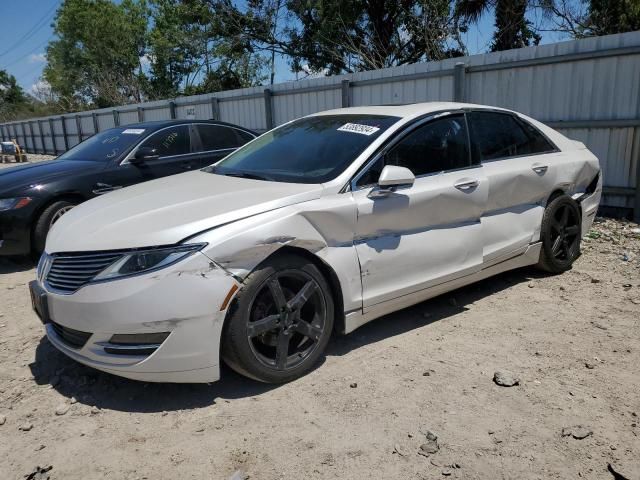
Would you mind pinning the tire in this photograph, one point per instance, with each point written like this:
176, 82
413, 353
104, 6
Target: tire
560, 234
261, 323
47, 218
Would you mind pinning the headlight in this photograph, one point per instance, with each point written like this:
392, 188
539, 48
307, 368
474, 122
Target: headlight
14, 203
142, 261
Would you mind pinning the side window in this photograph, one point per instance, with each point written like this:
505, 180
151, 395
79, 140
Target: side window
217, 137
500, 135
437, 146
170, 141
243, 137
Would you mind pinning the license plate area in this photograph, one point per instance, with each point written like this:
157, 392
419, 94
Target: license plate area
39, 301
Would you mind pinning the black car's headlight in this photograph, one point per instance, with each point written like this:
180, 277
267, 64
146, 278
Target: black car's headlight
142, 261
14, 203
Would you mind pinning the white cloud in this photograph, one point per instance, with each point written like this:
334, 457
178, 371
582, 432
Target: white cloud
311, 73
37, 58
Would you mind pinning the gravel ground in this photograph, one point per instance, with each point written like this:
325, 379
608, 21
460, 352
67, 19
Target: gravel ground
32, 158
411, 395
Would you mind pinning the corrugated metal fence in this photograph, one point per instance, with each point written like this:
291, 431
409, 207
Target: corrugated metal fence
588, 89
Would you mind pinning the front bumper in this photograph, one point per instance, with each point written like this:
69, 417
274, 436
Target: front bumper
184, 299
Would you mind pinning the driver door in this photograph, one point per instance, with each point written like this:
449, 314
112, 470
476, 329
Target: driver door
428, 233
173, 146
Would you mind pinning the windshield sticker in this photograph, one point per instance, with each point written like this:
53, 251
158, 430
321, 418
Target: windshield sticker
358, 128
134, 131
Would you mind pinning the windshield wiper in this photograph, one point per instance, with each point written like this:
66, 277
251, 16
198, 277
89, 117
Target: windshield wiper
239, 174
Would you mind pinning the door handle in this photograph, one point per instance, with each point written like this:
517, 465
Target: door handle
467, 186
540, 169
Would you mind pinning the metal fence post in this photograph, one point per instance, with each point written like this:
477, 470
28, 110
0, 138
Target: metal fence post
268, 108
33, 137
53, 136
116, 118
346, 100
172, 110
459, 82
215, 109
140, 114
79, 128
94, 117
64, 134
41, 130
24, 135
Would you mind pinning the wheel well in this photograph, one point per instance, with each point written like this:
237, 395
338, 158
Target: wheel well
70, 197
555, 194
329, 275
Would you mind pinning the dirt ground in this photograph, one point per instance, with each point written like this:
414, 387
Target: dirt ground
572, 340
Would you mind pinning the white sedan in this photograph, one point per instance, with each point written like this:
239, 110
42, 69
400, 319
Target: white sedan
322, 224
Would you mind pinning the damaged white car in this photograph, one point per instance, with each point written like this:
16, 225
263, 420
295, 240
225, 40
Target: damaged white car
322, 224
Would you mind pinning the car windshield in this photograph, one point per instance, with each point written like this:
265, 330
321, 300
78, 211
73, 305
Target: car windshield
105, 145
309, 150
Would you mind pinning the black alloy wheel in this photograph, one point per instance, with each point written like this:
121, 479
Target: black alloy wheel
280, 321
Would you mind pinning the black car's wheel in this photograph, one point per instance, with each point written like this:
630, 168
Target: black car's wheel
560, 235
45, 221
280, 321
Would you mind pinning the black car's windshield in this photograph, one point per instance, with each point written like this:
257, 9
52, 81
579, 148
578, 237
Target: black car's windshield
105, 145
310, 150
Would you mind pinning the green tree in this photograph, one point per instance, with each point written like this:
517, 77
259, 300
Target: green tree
194, 49
96, 58
12, 97
513, 30
355, 35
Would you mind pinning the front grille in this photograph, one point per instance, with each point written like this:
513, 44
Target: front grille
69, 272
70, 337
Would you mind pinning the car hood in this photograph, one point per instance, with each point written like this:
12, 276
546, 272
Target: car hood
168, 210
17, 179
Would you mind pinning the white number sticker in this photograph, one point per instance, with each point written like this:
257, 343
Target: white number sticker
134, 131
358, 128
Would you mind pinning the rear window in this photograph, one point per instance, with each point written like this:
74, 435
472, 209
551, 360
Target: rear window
309, 150
218, 137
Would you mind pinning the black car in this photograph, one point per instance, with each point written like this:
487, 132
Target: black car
33, 197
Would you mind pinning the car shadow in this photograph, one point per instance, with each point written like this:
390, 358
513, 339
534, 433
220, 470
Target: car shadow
429, 311
103, 390
15, 264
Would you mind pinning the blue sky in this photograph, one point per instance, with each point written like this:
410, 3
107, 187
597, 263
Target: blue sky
26, 29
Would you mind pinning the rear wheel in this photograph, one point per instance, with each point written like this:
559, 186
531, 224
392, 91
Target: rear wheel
560, 235
45, 221
280, 322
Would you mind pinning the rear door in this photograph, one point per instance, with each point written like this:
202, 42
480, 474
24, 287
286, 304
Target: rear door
521, 167
214, 142
417, 237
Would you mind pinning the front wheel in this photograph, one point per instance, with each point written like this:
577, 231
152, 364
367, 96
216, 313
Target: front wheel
560, 234
45, 221
280, 322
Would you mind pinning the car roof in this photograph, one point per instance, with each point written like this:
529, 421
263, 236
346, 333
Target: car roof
157, 124
409, 110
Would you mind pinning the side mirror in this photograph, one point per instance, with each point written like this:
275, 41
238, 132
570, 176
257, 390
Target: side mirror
144, 154
393, 176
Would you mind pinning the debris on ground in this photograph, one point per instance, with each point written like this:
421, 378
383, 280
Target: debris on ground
25, 427
505, 379
39, 473
578, 432
430, 446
